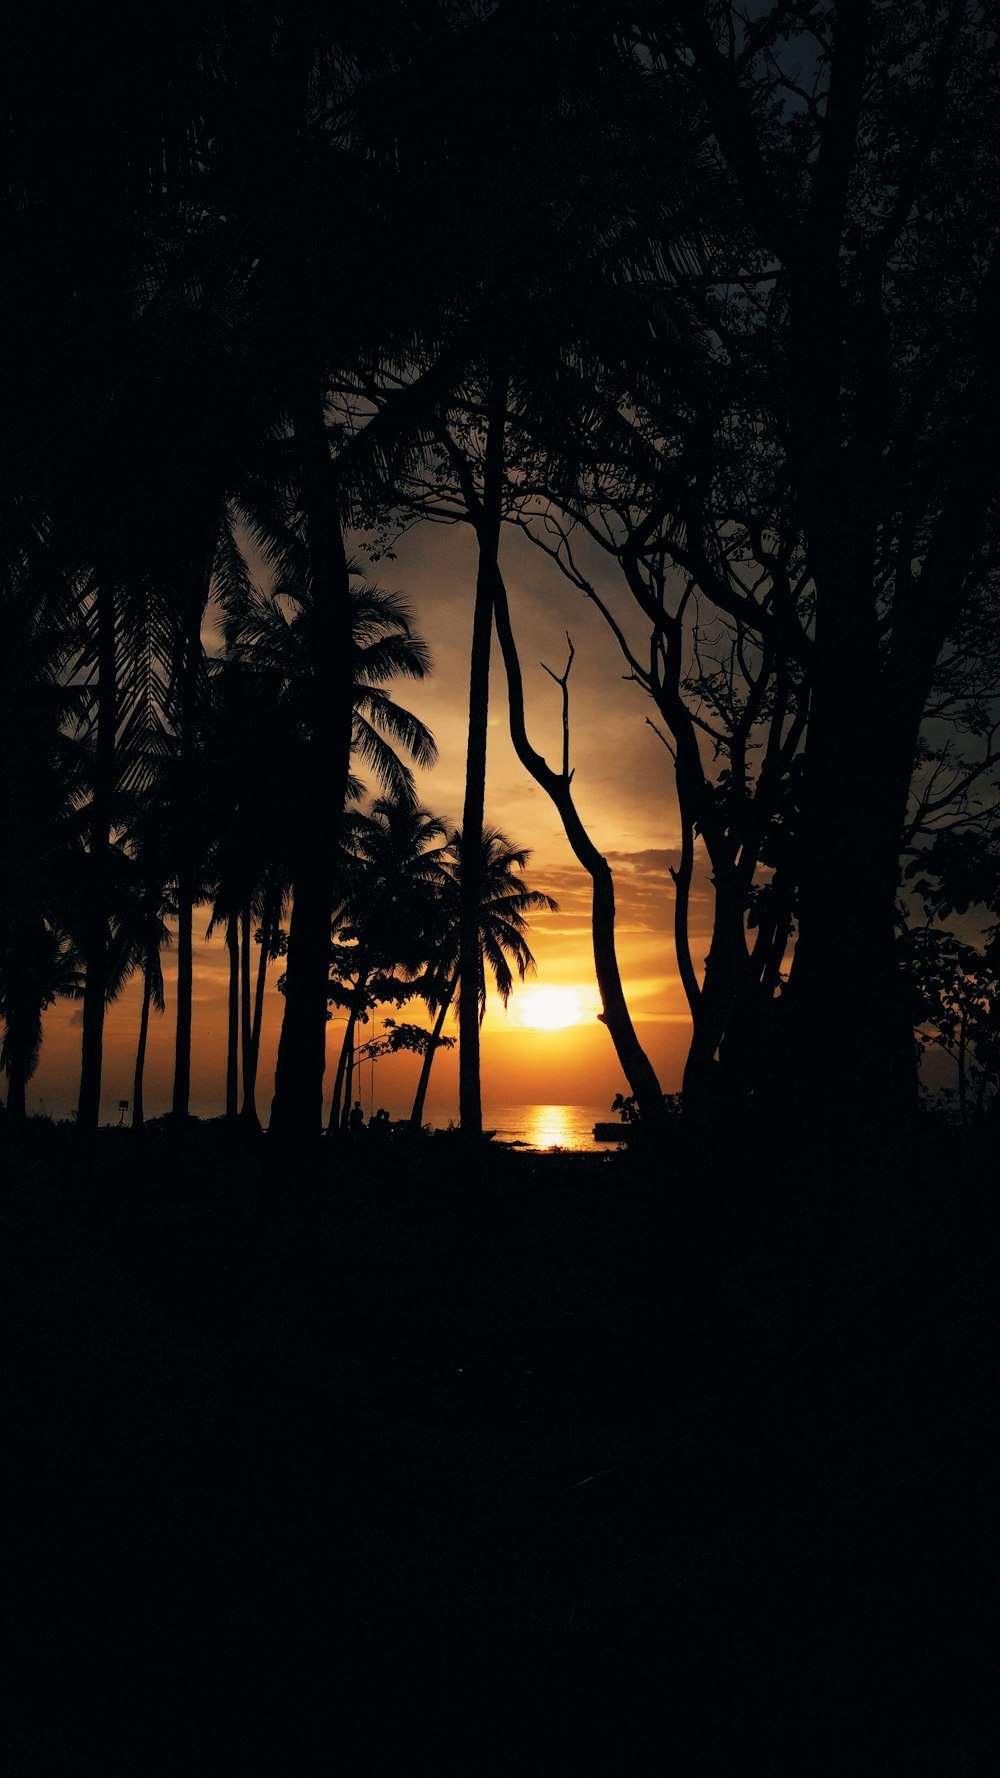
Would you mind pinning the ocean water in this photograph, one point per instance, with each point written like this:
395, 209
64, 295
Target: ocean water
550, 1126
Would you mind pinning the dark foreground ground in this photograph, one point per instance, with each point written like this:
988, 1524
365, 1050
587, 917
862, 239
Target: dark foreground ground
540, 1465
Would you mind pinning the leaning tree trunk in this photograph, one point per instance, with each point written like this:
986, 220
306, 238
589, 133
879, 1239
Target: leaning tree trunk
347, 1078
636, 1066
297, 1109
488, 519
336, 1102
417, 1113
96, 912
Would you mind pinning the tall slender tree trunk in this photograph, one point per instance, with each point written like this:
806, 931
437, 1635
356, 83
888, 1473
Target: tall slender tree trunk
417, 1113
138, 1114
185, 992
297, 1110
470, 1108
246, 1043
470, 1105
233, 1019
188, 867
269, 921
98, 865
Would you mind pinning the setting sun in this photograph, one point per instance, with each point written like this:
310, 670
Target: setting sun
550, 1009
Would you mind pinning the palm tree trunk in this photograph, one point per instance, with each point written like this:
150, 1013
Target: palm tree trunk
269, 921
297, 1110
333, 1124
138, 1117
188, 864
185, 973
417, 1113
345, 1111
16, 1096
470, 1109
470, 1104
233, 1023
246, 1029
96, 932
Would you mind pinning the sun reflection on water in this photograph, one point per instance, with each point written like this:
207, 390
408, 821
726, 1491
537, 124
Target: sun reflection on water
550, 1126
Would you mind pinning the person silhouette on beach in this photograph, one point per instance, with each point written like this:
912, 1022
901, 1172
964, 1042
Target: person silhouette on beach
356, 1121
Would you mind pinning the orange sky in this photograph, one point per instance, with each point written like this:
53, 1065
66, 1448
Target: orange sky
625, 793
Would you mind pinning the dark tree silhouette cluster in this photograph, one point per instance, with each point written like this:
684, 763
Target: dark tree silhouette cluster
710, 314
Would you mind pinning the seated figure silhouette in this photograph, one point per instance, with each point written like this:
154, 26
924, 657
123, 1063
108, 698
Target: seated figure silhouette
356, 1121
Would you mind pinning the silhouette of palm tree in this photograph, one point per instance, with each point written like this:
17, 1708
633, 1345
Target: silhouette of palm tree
271, 638
394, 880
273, 633
503, 902
251, 750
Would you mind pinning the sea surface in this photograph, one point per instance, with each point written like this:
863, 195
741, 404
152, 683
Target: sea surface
549, 1126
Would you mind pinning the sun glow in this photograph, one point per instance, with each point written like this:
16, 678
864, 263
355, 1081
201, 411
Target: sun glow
550, 1009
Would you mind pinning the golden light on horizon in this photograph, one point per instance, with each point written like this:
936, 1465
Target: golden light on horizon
551, 1009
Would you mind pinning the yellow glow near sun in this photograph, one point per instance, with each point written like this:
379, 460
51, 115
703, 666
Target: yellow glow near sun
550, 1009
